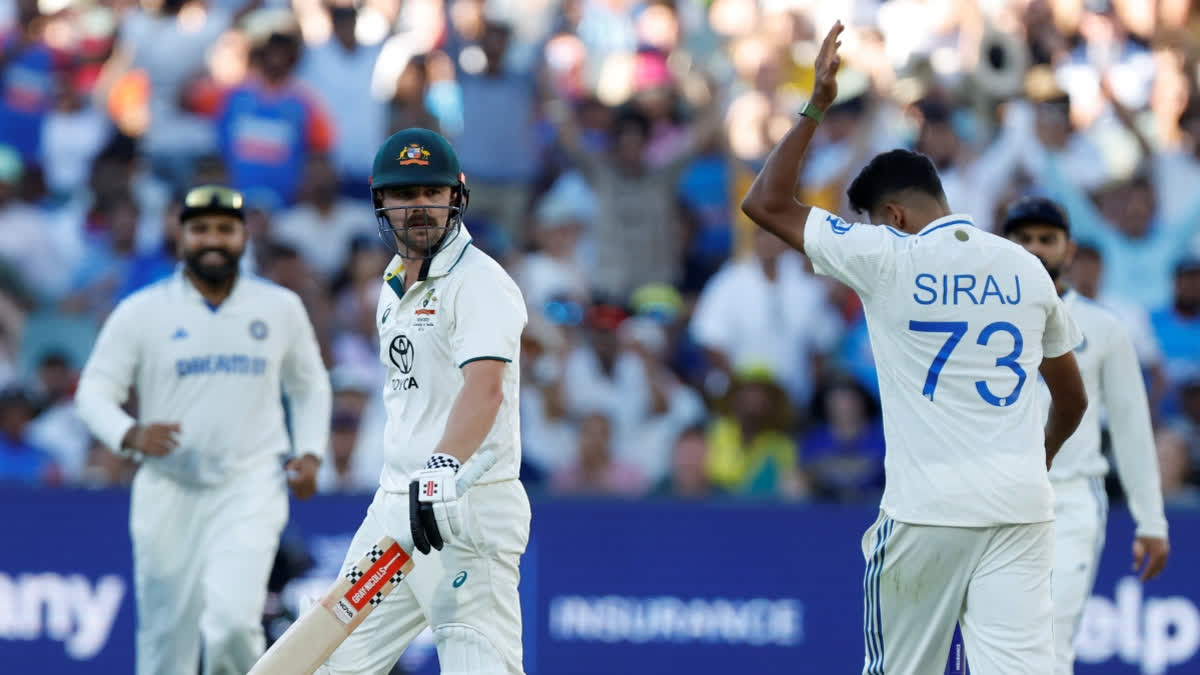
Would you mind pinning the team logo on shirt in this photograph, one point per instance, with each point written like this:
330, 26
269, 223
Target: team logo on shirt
258, 329
426, 311
838, 225
414, 154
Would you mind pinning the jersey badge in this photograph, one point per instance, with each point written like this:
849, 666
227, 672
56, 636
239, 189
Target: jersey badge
258, 329
838, 225
426, 311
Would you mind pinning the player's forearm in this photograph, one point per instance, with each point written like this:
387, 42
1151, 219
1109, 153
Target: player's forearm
1064, 419
1133, 441
100, 410
311, 414
471, 419
774, 189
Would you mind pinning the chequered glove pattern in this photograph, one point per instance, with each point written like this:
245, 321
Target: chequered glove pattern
443, 461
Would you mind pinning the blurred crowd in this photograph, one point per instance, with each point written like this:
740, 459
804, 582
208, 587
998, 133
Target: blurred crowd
672, 349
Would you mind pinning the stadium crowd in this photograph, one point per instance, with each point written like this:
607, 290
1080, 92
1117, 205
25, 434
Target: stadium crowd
672, 349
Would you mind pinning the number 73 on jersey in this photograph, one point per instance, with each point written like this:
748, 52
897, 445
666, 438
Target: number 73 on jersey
955, 331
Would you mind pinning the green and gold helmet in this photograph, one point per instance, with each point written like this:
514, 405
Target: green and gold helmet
416, 158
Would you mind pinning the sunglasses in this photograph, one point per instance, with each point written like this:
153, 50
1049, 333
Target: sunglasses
213, 197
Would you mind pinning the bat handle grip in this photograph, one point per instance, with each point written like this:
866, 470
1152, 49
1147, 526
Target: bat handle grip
474, 468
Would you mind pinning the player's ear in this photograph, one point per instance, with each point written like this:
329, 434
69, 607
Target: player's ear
1070, 254
894, 215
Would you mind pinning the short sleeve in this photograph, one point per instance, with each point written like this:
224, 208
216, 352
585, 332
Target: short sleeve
489, 317
858, 255
1062, 335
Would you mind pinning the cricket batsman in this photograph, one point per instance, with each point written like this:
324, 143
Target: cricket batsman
450, 321
209, 353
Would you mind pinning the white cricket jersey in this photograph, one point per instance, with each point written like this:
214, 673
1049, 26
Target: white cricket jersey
220, 372
959, 321
466, 308
1113, 378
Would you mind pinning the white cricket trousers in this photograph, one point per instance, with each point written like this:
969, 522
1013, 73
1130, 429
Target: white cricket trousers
201, 558
921, 579
467, 591
1081, 513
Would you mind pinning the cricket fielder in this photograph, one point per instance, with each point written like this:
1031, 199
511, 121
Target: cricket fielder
1113, 380
209, 353
450, 321
961, 322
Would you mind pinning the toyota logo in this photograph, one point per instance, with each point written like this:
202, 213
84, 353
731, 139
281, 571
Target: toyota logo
401, 353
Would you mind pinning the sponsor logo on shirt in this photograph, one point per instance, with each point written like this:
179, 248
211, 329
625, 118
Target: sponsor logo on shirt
221, 364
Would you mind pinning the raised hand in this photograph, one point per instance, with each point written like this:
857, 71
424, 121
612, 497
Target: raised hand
827, 64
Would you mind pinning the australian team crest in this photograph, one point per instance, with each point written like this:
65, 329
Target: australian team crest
426, 312
414, 154
258, 329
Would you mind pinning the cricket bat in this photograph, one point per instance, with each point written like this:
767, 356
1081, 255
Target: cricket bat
309, 641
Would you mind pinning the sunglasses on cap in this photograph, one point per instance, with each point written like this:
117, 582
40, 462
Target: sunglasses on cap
213, 199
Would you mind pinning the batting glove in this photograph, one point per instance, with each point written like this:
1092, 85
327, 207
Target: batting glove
433, 503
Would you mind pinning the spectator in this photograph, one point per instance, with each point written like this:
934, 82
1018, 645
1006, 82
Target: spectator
285, 266
498, 98
158, 262
20, 461
324, 224
1138, 248
672, 406
554, 269
1177, 325
57, 427
843, 455
408, 107
549, 437
12, 324
1174, 467
339, 71
637, 233
28, 68
346, 469
73, 134
751, 452
1187, 421
168, 46
268, 126
27, 243
767, 309
109, 255
596, 471
689, 478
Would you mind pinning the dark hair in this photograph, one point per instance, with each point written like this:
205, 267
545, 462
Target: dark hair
1088, 249
630, 118
891, 172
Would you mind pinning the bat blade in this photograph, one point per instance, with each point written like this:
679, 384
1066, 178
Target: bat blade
309, 641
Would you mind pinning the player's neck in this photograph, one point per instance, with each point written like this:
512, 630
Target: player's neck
770, 268
1062, 287
213, 293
